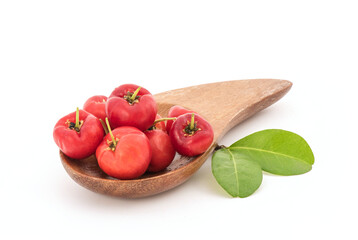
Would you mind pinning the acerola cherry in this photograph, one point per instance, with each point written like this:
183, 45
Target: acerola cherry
176, 111
191, 134
158, 124
131, 105
124, 153
163, 151
78, 134
125, 89
96, 105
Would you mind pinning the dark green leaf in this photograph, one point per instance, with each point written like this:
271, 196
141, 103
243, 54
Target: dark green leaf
236, 174
276, 151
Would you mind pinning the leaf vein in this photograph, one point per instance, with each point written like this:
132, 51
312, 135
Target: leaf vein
267, 151
236, 172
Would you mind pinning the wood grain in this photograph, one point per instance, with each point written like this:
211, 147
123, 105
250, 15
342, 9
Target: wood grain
223, 104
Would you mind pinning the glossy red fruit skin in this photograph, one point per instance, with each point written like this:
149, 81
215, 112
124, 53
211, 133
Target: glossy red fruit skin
96, 105
191, 145
163, 151
140, 114
176, 111
82, 144
122, 90
131, 157
160, 125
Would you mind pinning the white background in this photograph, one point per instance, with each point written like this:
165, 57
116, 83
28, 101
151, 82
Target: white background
56, 54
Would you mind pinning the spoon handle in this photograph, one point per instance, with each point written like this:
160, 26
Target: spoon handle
225, 104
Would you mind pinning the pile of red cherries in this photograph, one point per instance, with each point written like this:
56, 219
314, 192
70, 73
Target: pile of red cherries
128, 136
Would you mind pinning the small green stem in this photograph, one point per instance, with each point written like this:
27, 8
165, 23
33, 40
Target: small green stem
191, 128
163, 119
135, 94
192, 122
77, 123
104, 126
218, 147
110, 132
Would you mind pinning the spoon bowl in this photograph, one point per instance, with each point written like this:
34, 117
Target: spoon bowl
222, 104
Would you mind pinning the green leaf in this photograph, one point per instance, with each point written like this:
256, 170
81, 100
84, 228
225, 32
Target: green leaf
237, 175
276, 151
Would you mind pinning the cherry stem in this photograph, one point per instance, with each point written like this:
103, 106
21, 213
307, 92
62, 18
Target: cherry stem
135, 94
77, 123
110, 132
192, 122
104, 126
163, 119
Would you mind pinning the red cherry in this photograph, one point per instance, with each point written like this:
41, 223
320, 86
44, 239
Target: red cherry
78, 134
191, 134
124, 153
160, 125
163, 151
130, 105
176, 111
96, 105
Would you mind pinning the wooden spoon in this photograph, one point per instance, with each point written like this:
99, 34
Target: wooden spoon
223, 104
